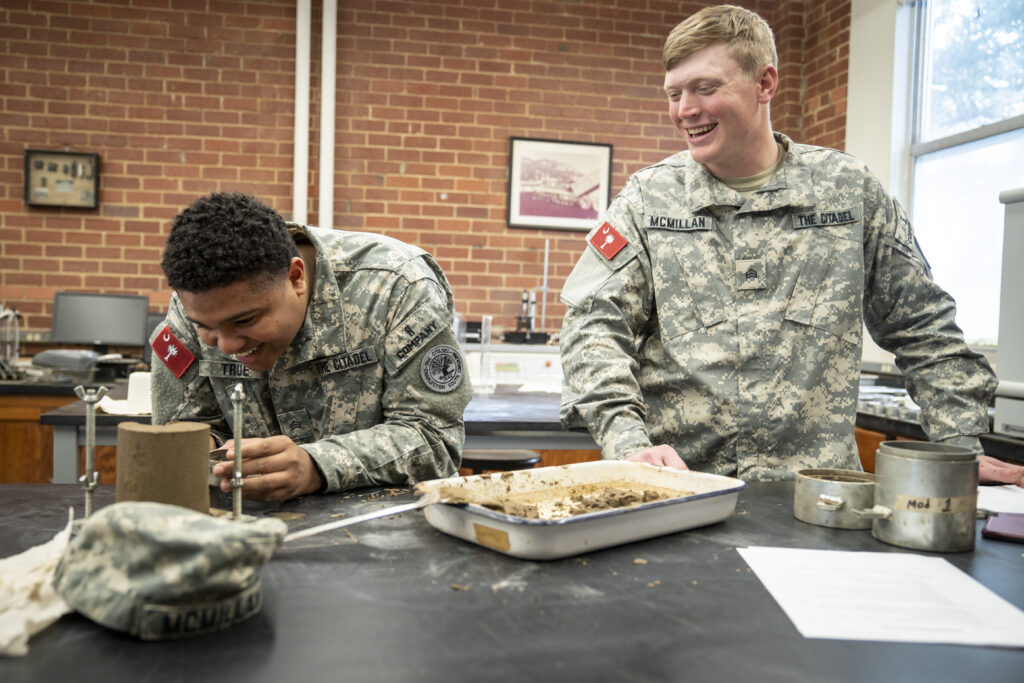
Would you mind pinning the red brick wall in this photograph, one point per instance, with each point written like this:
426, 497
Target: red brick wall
788, 23
184, 97
177, 101
827, 51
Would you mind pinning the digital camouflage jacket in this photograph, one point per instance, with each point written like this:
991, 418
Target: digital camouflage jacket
731, 328
373, 386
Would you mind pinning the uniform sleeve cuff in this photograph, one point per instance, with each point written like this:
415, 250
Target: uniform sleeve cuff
339, 468
966, 441
624, 437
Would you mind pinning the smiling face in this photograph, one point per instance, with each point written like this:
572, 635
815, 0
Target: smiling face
722, 113
251, 320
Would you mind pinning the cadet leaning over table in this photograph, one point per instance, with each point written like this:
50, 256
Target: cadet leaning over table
715, 317
341, 340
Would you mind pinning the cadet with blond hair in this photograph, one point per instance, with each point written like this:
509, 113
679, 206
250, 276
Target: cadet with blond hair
715, 317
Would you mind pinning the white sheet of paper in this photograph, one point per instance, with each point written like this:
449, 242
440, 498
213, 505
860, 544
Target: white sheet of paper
1008, 498
900, 597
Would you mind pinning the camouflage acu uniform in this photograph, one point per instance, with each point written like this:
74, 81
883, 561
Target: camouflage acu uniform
731, 328
372, 387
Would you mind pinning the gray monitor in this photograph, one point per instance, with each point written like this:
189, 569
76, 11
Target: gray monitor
99, 320
152, 320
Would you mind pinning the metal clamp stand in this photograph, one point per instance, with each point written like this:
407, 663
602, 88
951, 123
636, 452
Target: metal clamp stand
527, 330
89, 480
236, 427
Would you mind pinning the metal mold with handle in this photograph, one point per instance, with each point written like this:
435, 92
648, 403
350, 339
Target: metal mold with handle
926, 496
831, 497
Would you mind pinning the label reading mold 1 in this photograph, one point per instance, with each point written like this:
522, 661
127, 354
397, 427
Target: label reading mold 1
936, 505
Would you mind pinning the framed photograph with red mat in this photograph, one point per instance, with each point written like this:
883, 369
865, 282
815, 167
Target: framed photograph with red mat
558, 184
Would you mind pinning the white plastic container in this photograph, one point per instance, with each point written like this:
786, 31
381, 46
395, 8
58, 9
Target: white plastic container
703, 499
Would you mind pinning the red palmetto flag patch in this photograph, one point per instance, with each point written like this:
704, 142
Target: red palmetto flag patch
172, 352
608, 240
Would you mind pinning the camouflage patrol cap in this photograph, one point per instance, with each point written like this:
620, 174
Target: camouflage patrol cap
161, 571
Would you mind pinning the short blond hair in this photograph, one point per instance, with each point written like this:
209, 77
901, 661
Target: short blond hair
748, 37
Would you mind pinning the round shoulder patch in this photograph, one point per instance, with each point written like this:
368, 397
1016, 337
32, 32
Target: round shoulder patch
442, 368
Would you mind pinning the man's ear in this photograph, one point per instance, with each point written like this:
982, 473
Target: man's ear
767, 83
297, 274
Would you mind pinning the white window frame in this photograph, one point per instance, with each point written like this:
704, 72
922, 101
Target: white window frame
881, 89
915, 148
877, 94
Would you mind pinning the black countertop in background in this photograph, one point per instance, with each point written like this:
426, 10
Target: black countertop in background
21, 388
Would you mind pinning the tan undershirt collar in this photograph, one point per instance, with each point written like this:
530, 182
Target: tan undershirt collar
747, 186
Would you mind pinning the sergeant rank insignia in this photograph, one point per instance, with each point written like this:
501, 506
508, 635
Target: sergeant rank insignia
442, 368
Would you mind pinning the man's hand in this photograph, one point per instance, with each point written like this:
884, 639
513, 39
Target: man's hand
663, 456
274, 468
992, 471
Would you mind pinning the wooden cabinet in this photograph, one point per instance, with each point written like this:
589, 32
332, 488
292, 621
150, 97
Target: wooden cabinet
26, 447
548, 458
867, 443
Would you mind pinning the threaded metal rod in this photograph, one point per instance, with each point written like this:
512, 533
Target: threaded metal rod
236, 426
91, 477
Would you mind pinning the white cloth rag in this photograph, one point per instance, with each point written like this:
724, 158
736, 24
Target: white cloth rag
112, 406
28, 601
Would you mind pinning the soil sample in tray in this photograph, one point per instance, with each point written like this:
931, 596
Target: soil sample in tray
559, 502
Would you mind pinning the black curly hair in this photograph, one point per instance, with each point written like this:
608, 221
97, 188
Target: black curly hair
224, 238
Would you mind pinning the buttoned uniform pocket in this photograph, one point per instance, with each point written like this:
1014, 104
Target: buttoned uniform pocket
684, 292
341, 419
367, 394
353, 402
829, 291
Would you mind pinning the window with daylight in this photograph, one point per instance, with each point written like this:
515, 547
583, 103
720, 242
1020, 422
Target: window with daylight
967, 146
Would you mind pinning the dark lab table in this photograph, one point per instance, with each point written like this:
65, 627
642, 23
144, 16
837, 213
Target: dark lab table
400, 601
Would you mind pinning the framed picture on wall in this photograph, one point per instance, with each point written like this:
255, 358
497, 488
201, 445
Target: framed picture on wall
69, 179
558, 184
